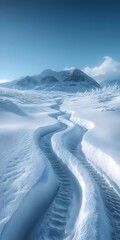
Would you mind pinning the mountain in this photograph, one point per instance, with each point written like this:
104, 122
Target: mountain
67, 80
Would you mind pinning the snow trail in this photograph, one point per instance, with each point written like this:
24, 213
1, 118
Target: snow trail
68, 199
92, 207
56, 201
110, 195
57, 190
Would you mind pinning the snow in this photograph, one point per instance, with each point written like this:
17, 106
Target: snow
101, 144
90, 205
59, 162
21, 161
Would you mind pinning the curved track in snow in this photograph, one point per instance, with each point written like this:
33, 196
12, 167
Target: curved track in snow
52, 207
110, 195
67, 202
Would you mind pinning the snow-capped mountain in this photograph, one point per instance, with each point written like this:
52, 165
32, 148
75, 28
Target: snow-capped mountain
67, 80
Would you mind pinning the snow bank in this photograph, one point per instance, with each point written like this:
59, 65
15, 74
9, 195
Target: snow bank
91, 206
98, 112
38, 199
21, 166
103, 161
22, 163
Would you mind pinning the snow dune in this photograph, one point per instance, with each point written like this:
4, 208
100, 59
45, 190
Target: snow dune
34, 204
21, 161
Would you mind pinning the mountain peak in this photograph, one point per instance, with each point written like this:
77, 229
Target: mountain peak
66, 80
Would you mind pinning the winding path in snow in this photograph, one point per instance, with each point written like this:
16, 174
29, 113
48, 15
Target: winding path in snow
58, 191
110, 195
68, 198
48, 210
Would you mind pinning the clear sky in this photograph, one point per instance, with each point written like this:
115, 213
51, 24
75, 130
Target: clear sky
40, 34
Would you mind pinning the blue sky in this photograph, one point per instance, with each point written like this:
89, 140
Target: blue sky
35, 35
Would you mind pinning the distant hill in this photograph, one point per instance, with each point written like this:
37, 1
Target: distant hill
67, 80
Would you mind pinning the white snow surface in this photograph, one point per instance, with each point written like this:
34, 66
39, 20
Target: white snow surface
21, 161
99, 112
27, 176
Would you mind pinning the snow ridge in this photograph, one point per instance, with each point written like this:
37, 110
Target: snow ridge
90, 207
108, 183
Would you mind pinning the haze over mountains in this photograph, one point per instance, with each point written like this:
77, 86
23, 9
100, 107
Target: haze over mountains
66, 80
